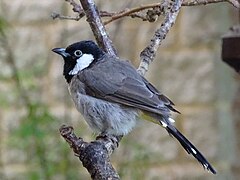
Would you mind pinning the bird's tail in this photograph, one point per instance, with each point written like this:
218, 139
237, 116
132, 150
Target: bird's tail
189, 147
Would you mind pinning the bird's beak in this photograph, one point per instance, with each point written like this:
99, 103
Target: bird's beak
61, 51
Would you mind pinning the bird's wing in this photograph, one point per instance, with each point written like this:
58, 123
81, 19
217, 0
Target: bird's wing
119, 82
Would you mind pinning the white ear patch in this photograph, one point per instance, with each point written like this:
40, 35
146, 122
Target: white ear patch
82, 62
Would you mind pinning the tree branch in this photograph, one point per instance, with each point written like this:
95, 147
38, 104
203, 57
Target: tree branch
97, 26
135, 12
235, 3
132, 12
55, 15
148, 54
94, 155
76, 7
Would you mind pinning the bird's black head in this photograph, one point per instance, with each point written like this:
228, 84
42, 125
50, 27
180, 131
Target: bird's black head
78, 56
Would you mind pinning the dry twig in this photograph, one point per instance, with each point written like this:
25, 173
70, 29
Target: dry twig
148, 54
135, 12
76, 7
55, 15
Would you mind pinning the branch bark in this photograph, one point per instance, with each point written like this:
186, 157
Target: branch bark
97, 26
94, 155
149, 53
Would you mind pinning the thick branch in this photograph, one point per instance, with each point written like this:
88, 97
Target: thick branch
97, 26
148, 54
94, 155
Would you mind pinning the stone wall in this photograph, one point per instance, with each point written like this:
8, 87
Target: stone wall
187, 69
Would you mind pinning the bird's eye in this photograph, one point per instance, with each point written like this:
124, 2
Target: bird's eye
78, 53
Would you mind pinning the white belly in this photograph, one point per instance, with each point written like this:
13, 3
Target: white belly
105, 117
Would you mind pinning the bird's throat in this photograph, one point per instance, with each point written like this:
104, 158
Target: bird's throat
83, 62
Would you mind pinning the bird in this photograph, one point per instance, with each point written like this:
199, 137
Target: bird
111, 94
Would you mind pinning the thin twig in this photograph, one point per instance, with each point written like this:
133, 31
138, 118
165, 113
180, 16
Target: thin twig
134, 12
206, 2
76, 7
148, 54
235, 3
55, 15
129, 12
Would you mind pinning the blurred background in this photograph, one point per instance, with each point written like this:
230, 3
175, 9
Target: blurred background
34, 100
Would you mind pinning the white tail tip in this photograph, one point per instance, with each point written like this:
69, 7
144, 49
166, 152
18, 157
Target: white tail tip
171, 120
